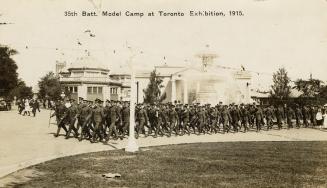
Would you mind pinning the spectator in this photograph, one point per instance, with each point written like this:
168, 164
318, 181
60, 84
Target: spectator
325, 119
319, 118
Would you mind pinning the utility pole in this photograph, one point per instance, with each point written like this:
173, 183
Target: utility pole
131, 143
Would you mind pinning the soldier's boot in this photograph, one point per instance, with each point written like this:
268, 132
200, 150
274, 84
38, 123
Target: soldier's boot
94, 134
57, 133
68, 133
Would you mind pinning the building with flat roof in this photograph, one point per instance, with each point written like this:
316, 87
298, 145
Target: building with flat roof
89, 79
205, 82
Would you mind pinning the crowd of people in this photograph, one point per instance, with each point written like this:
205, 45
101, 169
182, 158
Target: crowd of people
96, 121
27, 106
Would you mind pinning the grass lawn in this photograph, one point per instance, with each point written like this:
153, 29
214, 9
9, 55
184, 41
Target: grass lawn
239, 164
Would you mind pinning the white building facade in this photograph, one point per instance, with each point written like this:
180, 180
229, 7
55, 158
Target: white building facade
202, 83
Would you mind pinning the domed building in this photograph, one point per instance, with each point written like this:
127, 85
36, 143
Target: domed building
205, 82
89, 79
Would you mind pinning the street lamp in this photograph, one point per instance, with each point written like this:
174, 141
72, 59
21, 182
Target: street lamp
131, 143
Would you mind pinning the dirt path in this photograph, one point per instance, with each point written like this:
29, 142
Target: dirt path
26, 141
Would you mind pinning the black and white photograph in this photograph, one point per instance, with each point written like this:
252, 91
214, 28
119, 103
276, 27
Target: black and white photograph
163, 93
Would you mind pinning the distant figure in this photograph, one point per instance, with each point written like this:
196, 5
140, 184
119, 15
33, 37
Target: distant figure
44, 105
27, 108
35, 106
319, 118
325, 119
21, 106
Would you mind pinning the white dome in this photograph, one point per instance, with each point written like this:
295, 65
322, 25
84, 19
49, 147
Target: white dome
88, 62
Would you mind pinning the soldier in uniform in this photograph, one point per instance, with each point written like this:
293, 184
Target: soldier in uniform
225, 115
298, 116
201, 120
165, 118
125, 118
142, 118
258, 118
85, 115
313, 112
107, 121
244, 113
114, 119
60, 110
70, 116
280, 116
193, 118
235, 114
289, 116
185, 119
158, 121
79, 107
119, 122
306, 116
173, 121
152, 118
269, 117
98, 118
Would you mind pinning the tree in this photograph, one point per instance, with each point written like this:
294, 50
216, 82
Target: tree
152, 92
49, 86
309, 88
21, 91
8, 71
323, 94
281, 88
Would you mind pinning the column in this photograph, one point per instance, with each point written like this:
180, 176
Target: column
197, 87
106, 92
185, 92
197, 91
82, 91
173, 90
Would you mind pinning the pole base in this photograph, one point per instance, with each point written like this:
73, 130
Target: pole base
131, 145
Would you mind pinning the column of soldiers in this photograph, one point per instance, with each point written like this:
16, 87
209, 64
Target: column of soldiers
96, 121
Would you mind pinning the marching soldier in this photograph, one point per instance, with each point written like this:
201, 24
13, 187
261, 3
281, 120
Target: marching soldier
60, 110
158, 121
85, 115
226, 119
114, 119
125, 116
289, 116
201, 120
173, 117
306, 116
185, 117
298, 116
142, 120
269, 117
98, 118
280, 116
244, 112
258, 118
70, 117
214, 120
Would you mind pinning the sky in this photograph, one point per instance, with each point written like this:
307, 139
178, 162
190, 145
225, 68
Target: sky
270, 35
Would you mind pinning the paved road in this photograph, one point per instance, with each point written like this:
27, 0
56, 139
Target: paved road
28, 140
